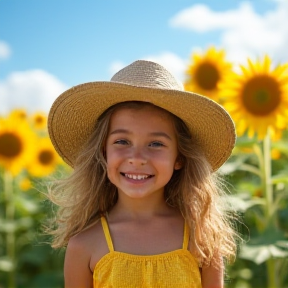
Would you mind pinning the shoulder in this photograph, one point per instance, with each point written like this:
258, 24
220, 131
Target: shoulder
86, 237
89, 244
78, 270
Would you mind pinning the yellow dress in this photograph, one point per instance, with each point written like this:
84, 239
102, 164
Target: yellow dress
177, 268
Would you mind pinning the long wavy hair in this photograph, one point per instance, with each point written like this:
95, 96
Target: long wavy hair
198, 193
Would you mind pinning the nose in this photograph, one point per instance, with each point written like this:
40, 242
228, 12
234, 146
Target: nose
137, 157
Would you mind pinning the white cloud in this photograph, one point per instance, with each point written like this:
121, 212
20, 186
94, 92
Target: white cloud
34, 90
5, 50
170, 61
244, 33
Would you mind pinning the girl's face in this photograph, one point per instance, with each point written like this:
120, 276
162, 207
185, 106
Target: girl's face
141, 151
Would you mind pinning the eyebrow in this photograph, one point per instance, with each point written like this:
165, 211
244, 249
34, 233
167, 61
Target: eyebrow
157, 134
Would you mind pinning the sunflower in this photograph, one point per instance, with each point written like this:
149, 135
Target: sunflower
206, 72
39, 120
257, 98
17, 142
25, 184
18, 114
45, 159
275, 154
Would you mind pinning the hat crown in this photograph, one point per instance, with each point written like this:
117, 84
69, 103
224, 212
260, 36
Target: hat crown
147, 74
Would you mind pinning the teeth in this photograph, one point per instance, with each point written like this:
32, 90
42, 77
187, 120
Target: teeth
136, 177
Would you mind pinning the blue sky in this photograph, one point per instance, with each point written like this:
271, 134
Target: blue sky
47, 46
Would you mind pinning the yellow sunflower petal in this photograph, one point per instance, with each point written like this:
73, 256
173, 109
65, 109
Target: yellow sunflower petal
25, 184
45, 159
241, 127
266, 64
261, 99
18, 114
17, 142
206, 71
39, 120
275, 154
251, 132
252, 67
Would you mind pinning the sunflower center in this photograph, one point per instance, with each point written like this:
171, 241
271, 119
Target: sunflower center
22, 115
207, 76
39, 120
45, 157
261, 95
10, 145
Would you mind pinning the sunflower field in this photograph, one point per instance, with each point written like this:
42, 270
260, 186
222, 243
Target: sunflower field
256, 96
27, 160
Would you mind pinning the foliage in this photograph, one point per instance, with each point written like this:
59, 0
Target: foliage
256, 97
26, 260
263, 257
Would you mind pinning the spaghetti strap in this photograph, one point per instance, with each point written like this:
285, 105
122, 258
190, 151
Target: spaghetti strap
186, 236
107, 233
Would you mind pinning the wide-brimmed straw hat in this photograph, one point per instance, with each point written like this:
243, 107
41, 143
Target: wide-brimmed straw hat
74, 113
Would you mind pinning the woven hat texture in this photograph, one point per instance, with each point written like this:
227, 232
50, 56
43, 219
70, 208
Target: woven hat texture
73, 115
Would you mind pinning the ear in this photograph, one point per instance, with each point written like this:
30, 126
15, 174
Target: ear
178, 164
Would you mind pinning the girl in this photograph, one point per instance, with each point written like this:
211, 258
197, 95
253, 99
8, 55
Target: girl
142, 207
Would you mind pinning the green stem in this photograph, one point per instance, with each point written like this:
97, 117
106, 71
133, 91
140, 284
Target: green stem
271, 269
268, 188
10, 235
268, 182
258, 151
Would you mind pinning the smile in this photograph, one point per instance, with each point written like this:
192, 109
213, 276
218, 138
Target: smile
137, 177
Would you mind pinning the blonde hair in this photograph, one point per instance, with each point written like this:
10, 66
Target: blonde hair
87, 193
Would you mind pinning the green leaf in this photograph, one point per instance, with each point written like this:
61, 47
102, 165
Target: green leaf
280, 178
283, 244
48, 279
272, 243
242, 202
245, 141
233, 165
7, 226
6, 264
26, 204
10, 226
281, 146
261, 253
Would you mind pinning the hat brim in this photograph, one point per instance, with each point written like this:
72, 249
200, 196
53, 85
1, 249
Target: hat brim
73, 116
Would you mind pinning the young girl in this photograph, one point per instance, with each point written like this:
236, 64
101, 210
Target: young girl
142, 207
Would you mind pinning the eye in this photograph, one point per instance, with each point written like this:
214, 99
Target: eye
121, 142
156, 144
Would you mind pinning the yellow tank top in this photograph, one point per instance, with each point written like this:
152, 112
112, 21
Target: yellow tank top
177, 268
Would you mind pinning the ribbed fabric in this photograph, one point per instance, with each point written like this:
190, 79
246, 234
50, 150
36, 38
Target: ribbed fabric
177, 268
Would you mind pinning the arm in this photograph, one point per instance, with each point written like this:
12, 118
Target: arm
212, 277
77, 273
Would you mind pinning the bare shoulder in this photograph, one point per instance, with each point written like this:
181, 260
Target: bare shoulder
83, 252
87, 237
90, 244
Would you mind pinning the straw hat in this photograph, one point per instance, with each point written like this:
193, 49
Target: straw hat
74, 113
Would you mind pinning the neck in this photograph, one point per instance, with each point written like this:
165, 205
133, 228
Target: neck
140, 208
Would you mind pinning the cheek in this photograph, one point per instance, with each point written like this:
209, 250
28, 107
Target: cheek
109, 153
168, 164
113, 156
114, 160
